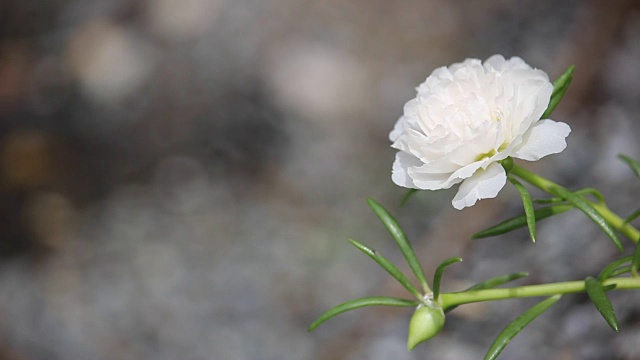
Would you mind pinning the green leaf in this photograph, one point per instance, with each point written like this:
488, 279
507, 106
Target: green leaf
609, 269
597, 294
619, 271
492, 283
401, 239
587, 191
563, 80
592, 213
552, 200
497, 281
389, 267
591, 191
358, 303
632, 217
407, 196
560, 86
520, 221
555, 100
437, 276
634, 165
635, 263
530, 215
517, 325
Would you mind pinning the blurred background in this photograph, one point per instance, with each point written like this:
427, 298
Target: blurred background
178, 178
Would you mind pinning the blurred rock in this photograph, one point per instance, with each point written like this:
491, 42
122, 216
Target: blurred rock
178, 179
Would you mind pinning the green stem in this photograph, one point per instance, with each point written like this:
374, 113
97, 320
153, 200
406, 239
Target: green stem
550, 187
458, 298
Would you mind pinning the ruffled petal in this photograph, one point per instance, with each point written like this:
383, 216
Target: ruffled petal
400, 170
483, 184
433, 181
439, 166
544, 138
531, 98
469, 170
495, 62
427, 178
397, 129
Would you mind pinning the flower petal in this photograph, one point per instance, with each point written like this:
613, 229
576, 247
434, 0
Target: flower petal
439, 166
482, 185
400, 170
397, 129
427, 180
544, 138
531, 98
495, 62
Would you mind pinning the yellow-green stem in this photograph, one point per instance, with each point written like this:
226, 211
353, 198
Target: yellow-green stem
548, 186
447, 300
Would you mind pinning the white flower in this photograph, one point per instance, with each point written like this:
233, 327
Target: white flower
465, 119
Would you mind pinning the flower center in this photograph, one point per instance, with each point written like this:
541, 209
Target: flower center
491, 153
497, 115
486, 155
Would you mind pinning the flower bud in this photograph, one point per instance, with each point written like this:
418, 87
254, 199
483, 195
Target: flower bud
507, 164
425, 323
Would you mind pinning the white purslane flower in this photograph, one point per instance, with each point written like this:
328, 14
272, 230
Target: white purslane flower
465, 119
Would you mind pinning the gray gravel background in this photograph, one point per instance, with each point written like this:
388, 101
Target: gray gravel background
178, 179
